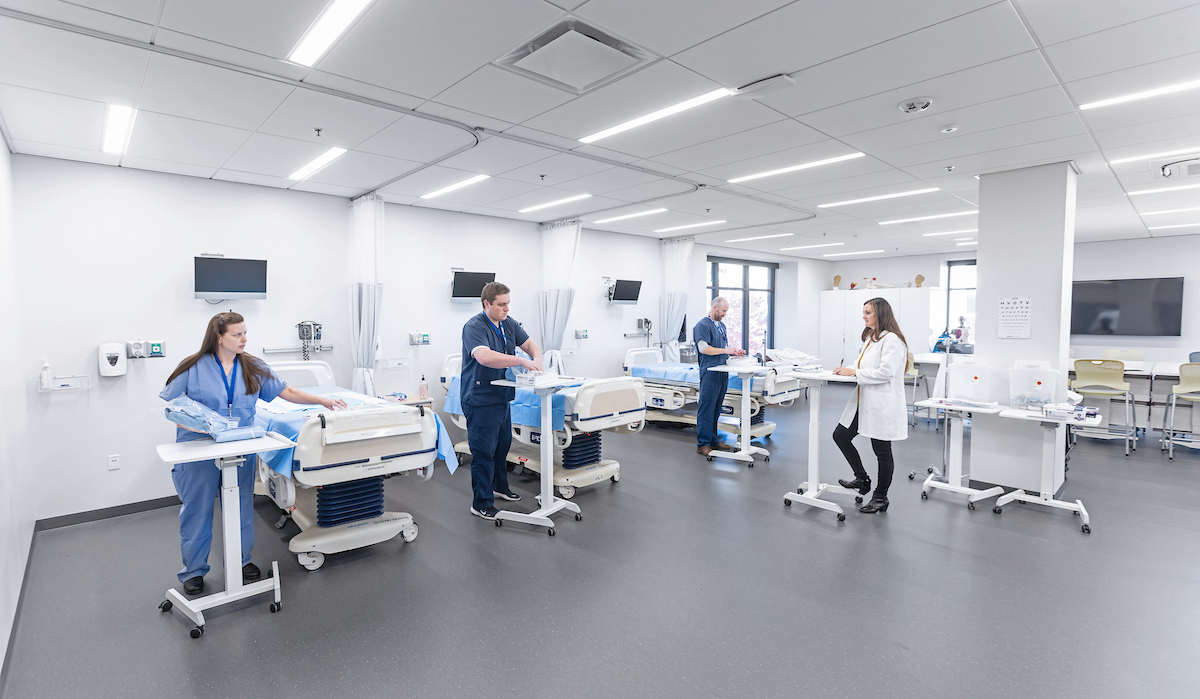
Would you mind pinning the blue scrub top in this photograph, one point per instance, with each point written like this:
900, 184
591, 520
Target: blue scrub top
205, 383
713, 333
476, 382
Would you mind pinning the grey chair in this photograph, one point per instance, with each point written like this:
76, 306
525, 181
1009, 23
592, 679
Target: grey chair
1194, 357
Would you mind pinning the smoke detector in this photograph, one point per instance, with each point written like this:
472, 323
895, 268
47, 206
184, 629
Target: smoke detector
575, 56
916, 105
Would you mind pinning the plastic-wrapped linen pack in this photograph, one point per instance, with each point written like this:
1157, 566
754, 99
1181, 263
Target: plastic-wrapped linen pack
186, 412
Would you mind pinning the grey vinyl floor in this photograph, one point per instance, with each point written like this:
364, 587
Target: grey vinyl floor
686, 578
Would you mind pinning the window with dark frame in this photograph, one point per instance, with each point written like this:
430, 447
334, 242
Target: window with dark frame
960, 300
749, 286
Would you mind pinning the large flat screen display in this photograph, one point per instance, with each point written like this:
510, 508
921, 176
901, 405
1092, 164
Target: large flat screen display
219, 278
469, 285
1149, 307
626, 291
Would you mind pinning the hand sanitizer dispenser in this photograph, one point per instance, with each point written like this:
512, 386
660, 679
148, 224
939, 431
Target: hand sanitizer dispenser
112, 359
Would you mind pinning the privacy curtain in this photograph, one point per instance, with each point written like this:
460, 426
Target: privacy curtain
676, 253
560, 242
366, 293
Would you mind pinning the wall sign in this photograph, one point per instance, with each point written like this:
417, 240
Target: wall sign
1016, 320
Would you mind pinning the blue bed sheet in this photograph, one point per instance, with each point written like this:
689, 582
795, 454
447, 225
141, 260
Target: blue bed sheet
289, 424
684, 373
526, 407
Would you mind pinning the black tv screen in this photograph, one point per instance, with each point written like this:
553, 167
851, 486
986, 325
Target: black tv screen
469, 285
1150, 307
228, 278
626, 291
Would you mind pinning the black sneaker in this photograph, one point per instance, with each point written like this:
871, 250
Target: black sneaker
488, 513
193, 586
251, 573
509, 496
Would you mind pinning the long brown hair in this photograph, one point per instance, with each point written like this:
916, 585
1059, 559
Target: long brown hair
884, 320
254, 370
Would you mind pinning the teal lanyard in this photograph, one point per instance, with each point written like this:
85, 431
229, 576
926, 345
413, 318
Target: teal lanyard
229, 381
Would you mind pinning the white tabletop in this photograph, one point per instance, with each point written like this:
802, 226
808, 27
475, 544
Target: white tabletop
746, 369
945, 404
1037, 416
562, 382
930, 358
1170, 369
825, 375
207, 450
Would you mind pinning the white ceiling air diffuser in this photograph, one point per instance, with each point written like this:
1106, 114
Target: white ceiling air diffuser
1178, 167
575, 56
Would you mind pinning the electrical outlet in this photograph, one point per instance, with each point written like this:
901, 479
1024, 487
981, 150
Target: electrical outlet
395, 363
581, 334
568, 351
114, 462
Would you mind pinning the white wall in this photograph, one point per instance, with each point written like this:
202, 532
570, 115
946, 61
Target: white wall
16, 517
104, 255
895, 270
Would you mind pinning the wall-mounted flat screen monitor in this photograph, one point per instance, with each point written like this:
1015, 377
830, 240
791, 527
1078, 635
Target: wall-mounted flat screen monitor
469, 285
1148, 307
625, 291
220, 278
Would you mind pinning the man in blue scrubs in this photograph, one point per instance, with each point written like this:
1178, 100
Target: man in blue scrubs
712, 344
490, 341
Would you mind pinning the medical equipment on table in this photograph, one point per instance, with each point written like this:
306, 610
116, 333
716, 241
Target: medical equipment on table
331, 485
580, 413
196, 416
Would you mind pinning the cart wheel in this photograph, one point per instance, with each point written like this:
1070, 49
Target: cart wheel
551, 530
275, 606
458, 457
566, 492
970, 505
766, 458
708, 457
924, 495
409, 534
857, 498
799, 491
1075, 512
616, 477
197, 632
1087, 529
912, 476
997, 509
311, 560
751, 464
165, 606
787, 503
499, 522
841, 517
578, 517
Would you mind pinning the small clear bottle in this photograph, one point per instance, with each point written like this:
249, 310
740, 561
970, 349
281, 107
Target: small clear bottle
423, 388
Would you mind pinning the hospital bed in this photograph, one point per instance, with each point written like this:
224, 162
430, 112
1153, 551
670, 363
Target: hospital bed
672, 390
331, 483
581, 414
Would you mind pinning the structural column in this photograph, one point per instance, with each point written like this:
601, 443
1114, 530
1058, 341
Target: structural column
1026, 249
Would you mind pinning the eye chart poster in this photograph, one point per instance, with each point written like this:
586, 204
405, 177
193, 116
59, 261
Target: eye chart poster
1016, 321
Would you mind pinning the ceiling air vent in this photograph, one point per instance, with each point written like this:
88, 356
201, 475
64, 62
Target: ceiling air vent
1179, 167
576, 57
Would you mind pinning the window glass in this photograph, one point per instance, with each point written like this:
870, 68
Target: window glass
733, 319
759, 320
962, 276
729, 276
760, 278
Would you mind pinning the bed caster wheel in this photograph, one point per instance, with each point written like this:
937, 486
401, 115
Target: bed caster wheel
499, 522
197, 632
275, 606
787, 503
857, 498
566, 492
997, 509
311, 560
970, 505
924, 495
551, 530
165, 605
1086, 529
615, 477
409, 534
578, 517
841, 517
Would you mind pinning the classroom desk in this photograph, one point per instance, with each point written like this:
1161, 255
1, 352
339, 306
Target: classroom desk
814, 487
953, 480
748, 450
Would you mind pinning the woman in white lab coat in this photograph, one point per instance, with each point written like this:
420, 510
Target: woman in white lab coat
877, 408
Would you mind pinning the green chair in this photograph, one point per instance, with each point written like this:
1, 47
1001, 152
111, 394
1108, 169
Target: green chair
915, 377
1105, 378
1188, 389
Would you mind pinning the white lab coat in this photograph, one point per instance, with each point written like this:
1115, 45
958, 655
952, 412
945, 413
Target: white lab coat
881, 408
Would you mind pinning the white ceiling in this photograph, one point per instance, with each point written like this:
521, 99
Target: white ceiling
217, 99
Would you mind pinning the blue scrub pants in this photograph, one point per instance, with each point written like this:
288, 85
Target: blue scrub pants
198, 484
713, 385
489, 434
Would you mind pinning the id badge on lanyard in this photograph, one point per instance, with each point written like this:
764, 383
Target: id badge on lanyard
503, 336
230, 383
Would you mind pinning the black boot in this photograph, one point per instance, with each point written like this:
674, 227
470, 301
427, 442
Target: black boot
877, 504
193, 586
862, 485
251, 573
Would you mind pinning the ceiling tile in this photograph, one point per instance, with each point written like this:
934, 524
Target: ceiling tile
265, 154
363, 171
495, 155
167, 166
253, 178
443, 41
503, 95
469, 119
829, 190
763, 140
65, 152
170, 138
1136, 79
488, 191
133, 19
45, 117
1007, 137
417, 138
796, 156
323, 188
51, 60
610, 180
1059, 150
669, 26
805, 34
440, 204
542, 137
266, 27
1058, 21
428, 180
1166, 36
199, 91
361, 89
1117, 142
187, 43
722, 118
556, 169
649, 190
343, 123
549, 194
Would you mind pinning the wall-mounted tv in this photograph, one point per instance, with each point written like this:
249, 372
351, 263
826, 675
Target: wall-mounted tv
469, 285
220, 278
625, 291
1147, 307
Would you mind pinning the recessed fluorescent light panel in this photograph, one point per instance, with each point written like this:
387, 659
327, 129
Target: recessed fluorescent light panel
879, 198
117, 127
1169, 89
968, 230
807, 247
1182, 225
958, 239
655, 116
446, 190
759, 237
802, 166
691, 225
1171, 211
970, 243
319, 162
1165, 189
628, 216
548, 204
1154, 156
326, 30
928, 218
860, 252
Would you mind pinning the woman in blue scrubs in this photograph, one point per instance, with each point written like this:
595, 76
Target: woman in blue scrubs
225, 378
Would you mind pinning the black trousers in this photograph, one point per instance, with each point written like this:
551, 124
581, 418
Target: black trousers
844, 437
